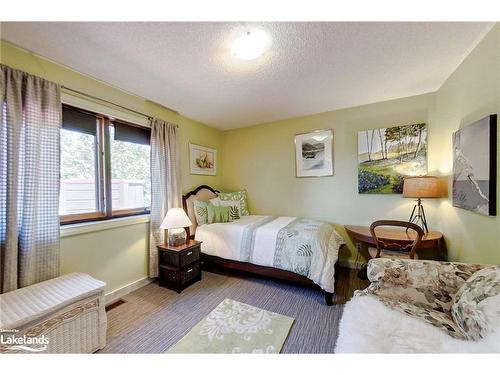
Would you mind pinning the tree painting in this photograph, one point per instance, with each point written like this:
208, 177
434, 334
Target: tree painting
387, 155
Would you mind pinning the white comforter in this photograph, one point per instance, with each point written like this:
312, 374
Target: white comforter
227, 240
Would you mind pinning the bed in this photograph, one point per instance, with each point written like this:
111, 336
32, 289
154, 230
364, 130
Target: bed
293, 249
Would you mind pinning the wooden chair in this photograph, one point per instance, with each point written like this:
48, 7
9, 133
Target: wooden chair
386, 249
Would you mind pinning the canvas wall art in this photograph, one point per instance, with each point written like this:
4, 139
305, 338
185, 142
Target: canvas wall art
314, 154
387, 155
474, 166
203, 160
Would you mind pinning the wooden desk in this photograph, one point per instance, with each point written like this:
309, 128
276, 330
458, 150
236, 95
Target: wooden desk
362, 235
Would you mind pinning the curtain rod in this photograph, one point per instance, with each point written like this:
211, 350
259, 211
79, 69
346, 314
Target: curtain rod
116, 105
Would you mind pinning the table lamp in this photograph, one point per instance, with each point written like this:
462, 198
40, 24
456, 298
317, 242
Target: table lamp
422, 187
175, 221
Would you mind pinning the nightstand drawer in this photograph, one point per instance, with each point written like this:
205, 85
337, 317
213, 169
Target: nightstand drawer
167, 258
168, 276
190, 273
190, 256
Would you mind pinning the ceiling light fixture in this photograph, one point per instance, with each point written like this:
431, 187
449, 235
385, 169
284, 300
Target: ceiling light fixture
251, 45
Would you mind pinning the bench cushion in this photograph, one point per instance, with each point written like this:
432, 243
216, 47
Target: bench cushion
25, 305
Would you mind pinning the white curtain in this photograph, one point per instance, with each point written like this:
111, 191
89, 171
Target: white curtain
30, 120
165, 183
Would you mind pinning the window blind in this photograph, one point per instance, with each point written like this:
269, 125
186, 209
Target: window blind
132, 134
78, 121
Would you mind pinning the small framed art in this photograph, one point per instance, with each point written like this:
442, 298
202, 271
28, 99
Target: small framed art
202, 160
314, 154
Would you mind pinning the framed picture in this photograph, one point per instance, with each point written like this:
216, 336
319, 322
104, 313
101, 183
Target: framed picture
314, 154
475, 166
202, 160
387, 155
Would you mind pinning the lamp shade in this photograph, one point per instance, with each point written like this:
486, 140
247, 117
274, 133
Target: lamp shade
423, 187
176, 218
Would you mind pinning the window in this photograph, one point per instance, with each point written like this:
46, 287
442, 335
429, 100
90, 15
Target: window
130, 168
105, 167
79, 193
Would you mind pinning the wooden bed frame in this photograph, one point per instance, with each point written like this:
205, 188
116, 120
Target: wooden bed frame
220, 265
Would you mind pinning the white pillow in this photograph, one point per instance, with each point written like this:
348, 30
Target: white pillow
235, 213
216, 201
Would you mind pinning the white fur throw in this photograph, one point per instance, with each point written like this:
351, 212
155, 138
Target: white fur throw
369, 326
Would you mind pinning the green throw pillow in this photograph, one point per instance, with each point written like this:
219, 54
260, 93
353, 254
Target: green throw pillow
234, 213
218, 214
201, 212
240, 196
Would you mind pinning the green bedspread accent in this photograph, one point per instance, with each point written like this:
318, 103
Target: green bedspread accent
304, 246
297, 242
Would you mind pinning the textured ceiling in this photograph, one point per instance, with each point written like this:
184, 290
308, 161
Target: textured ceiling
310, 68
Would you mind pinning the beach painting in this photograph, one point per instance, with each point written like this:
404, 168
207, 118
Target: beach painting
203, 160
314, 154
387, 155
474, 167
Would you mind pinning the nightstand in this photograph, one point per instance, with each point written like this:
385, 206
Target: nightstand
179, 266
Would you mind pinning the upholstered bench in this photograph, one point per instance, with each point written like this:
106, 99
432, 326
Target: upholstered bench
66, 314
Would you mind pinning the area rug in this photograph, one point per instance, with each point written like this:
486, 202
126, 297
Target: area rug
235, 327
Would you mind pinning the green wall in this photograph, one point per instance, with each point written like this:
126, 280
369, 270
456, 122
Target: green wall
261, 159
117, 256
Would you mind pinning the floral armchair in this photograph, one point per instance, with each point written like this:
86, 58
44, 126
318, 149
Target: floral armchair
431, 290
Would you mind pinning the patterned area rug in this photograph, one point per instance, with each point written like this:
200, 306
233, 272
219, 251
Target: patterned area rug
235, 327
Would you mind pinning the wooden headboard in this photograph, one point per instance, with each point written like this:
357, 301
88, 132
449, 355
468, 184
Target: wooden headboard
201, 193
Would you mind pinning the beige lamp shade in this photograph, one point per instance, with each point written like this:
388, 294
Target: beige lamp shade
424, 187
175, 218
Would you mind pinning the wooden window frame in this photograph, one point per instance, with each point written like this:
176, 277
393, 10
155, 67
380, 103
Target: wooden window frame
103, 176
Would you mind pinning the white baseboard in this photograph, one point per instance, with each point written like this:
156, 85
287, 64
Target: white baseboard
129, 288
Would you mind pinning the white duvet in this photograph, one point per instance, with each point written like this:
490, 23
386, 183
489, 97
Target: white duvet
226, 240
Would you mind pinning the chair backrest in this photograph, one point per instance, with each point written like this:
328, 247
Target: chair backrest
395, 246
